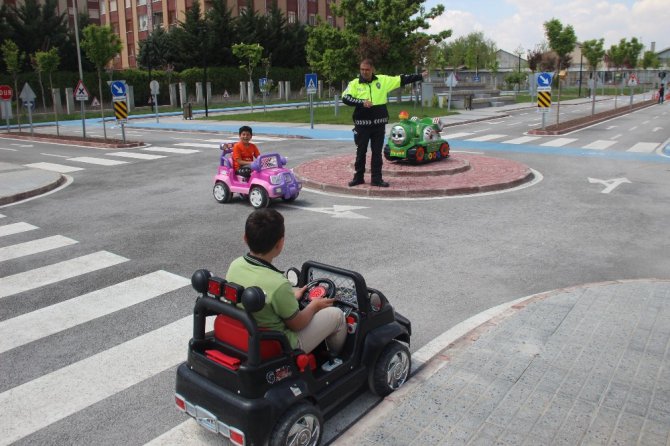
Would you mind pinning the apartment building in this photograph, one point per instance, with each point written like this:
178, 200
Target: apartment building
133, 20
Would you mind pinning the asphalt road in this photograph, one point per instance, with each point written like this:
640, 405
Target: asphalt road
596, 215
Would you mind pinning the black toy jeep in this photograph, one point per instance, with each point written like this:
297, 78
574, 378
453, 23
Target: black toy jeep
250, 386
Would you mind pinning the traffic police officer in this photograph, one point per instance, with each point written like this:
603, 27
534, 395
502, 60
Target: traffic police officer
368, 94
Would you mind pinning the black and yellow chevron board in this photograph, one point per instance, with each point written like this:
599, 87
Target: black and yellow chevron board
120, 110
544, 99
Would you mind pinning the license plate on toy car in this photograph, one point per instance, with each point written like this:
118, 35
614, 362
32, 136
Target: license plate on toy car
207, 420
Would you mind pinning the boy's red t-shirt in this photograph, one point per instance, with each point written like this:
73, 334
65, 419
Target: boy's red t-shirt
245, 152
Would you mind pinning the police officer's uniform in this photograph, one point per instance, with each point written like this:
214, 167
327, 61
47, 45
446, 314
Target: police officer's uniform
370, 123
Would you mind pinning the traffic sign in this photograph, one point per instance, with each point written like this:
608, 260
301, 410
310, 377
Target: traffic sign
154, 86
6, 92
451, 80
80, 91
544, 81
543, 100
311, 83
118, 88
27, 93
632, 80
121, 111
263, 83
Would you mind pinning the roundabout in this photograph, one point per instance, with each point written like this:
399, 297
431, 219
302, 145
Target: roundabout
460, 174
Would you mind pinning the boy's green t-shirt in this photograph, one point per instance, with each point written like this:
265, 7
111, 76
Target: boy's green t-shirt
280, 302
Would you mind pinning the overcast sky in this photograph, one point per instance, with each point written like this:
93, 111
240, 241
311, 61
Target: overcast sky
519, 23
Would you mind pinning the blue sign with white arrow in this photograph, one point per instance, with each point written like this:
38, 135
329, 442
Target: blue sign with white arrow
544, 80
118, 88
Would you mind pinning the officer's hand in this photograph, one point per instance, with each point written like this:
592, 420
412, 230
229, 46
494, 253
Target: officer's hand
424, 73
367, 104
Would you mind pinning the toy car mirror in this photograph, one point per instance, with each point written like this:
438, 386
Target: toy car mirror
200, 280
293, 276
282, 161
253, 299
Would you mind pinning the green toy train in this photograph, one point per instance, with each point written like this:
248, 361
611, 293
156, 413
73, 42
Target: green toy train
416, 140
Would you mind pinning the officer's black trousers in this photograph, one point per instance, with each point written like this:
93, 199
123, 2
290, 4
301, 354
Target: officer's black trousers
374, 135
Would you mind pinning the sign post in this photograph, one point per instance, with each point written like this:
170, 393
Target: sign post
311, 83
6, 94
28, 97
155, 86
118, 89
543, 81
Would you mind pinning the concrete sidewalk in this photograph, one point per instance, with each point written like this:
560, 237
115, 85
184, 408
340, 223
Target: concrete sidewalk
585, 365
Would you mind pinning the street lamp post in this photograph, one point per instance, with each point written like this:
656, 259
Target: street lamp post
581, 62
81, 72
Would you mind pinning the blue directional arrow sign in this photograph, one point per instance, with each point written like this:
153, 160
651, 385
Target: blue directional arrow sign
544, 80
118, 88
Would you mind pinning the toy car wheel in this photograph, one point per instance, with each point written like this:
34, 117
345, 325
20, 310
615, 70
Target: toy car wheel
444, 150
222, 192
392, 369
258, 197
300, 426
420, 152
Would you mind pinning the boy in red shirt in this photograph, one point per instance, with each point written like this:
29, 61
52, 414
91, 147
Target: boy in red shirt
244, 153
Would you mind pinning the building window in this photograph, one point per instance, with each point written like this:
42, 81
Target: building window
112, 5
143, 22
103, 8
129, 4
312, 19
330, 20
141, 2
291, 16
158, 20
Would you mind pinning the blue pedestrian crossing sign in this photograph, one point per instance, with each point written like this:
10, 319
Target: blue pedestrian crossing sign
311, 83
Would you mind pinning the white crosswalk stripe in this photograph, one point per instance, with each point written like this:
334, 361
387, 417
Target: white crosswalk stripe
255, 139
198, 144
34, 247
53, 167
16, 228
522, 140
600, 144
97, 161
558, 142
486, 137
52, 397
643, 147
49, 320
49, 274
170, 150
135, 155
455, 135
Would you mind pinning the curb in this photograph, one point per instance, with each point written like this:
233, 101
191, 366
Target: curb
69, 140
34, 192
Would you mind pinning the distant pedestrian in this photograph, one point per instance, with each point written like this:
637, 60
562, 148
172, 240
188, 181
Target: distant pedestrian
661, 94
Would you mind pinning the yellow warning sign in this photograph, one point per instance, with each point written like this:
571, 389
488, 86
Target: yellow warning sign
544, 99
121, 110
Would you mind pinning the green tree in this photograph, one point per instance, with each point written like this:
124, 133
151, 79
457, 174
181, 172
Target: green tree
623, 55
650, 60
249, 56
223, 33
330, 52
562, 41
101, 45
13, 58
388, 30
594, 51
472, 51
47, 62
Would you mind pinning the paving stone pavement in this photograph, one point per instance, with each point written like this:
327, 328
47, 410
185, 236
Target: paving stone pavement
587, 365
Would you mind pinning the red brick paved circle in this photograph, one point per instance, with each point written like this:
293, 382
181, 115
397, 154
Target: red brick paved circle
478, 174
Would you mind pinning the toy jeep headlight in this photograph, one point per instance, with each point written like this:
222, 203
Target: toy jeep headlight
276, 179
398, 135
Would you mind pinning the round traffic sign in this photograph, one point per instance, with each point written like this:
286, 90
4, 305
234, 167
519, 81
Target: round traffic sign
5, 92
154, 86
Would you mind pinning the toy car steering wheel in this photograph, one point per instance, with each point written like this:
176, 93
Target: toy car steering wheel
317, 289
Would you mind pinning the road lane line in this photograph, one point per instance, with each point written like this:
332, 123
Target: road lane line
197, 144
62, 316
559, 142
643, 147
16, 228
135, 155
97, 161
522, 140
486, 137
34, 247
29, 280
456, 135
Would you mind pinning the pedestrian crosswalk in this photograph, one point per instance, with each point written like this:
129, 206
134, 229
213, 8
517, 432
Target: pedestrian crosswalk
61, 395
549, 141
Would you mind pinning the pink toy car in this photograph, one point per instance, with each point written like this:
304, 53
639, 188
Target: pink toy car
269, 179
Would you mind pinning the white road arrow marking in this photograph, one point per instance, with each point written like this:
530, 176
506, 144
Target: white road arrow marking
610, 184
337, 211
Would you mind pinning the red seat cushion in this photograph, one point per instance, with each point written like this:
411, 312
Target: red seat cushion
232, 332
